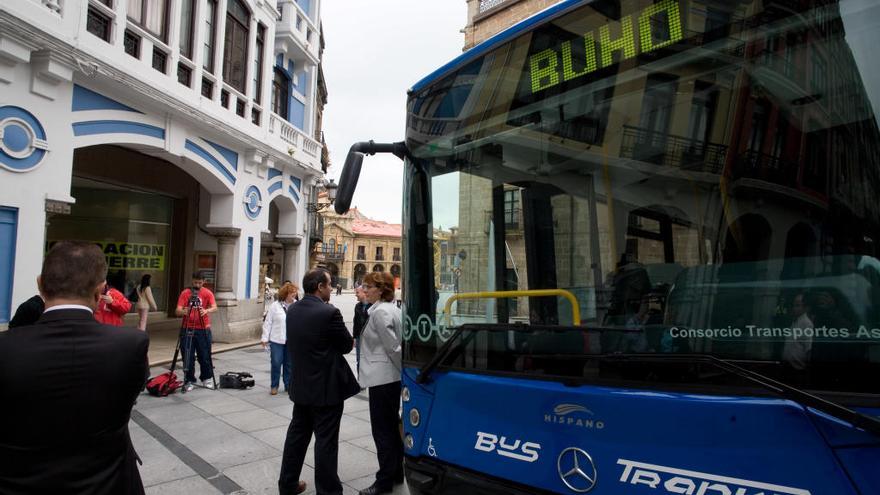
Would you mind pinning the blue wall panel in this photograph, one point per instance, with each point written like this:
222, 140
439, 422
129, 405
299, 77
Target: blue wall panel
297, 114
8, 229
250, 268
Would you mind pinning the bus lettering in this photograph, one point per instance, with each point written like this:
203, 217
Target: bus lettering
674, 480
521, 451
544, 67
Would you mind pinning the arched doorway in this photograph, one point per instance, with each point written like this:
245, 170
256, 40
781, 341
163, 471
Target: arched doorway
801, 249
358, 275
748, 239
395, 271
378, 268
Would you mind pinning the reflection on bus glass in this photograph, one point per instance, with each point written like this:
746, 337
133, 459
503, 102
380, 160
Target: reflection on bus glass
702, 177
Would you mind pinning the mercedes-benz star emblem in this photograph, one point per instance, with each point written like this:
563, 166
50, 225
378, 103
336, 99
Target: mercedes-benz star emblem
576, 469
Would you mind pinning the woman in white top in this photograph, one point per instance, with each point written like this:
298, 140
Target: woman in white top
275, 335
379, 369
145, 302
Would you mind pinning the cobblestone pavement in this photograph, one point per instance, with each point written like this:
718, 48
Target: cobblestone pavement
230, 441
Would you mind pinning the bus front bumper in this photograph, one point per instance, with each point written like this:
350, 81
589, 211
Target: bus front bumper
430, 477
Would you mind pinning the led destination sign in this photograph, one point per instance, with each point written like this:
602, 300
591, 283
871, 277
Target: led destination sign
554, 65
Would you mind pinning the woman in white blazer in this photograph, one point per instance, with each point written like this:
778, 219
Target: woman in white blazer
275, 336
379, 371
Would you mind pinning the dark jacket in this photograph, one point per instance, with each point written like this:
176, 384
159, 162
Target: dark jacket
316, 342
68, 384
360, 318
28, 312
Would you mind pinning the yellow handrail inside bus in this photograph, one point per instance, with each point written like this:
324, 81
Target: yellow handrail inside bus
575, 309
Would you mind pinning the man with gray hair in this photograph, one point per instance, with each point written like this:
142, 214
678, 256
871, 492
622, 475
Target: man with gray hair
68, 384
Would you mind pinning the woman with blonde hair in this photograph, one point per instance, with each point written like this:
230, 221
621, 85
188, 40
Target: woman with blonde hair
275, 336
379, 370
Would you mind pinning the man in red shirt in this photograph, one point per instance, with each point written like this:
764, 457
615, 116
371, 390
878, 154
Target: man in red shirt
112, 307
197, 320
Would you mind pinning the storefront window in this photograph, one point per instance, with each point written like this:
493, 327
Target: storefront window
133, 229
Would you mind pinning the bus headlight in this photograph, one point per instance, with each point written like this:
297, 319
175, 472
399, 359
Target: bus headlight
404, 394
408, 441
414, 417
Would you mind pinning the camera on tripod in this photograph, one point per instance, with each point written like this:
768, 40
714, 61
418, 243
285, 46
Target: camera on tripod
194, 300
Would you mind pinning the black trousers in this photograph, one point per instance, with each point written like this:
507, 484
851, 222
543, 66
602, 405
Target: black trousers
324, 423
384, 405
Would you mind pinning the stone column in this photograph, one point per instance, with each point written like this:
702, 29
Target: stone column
291, 245
225, 274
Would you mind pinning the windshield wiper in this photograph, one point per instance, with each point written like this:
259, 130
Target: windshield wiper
803, 398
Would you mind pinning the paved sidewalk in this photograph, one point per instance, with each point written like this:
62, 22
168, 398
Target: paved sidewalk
230, 441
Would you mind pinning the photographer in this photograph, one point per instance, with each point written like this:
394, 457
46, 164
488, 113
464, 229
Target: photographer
195, 304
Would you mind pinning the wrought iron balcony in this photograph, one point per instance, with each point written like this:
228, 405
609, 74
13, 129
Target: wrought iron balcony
672, 151
761, 166
329, 253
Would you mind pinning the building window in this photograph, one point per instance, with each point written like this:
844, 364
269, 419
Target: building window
207, 88
210, 36
280, 93
511, 208
258, 62
255, 116
396, 255
132, 44
235, 43
239, 107
151, 15
159, 59
224, 98
184, 75
379, 255
186, 28
98, 24
362, 253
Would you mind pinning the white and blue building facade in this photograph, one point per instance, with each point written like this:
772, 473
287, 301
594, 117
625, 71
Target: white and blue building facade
179, 135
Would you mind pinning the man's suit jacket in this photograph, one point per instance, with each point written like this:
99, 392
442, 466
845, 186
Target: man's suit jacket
316, 342
360, 318
67, 386
380, 346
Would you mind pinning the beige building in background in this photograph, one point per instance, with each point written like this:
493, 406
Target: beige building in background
489, 17
354, 245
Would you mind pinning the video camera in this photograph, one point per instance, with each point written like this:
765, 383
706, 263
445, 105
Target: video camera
194, 300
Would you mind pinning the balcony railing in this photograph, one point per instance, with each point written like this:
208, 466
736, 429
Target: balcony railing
293, 136
761, 166
329, 253
361, 257
380, 257
672, 151
396, 257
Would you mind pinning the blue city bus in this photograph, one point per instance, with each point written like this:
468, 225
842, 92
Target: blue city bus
642, 253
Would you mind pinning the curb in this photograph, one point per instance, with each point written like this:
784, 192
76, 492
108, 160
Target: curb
231, 347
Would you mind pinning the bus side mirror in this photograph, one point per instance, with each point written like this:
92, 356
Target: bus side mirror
348, 181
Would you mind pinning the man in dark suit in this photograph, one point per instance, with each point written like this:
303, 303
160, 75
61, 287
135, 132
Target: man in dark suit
321, 380
68, 384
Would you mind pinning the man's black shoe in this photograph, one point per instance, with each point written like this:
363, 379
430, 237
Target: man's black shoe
374, 489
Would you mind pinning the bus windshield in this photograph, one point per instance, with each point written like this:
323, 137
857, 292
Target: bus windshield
702, 178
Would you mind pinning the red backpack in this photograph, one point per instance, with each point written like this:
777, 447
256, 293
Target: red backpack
164, 384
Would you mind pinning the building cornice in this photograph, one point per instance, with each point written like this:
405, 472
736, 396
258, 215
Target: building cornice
90, 65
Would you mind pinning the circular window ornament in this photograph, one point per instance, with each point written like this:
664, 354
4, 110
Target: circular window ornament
253, 202
23, 142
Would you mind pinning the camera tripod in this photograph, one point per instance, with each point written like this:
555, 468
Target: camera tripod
185, 339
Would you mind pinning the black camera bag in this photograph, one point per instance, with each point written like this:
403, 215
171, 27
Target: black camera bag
236, 379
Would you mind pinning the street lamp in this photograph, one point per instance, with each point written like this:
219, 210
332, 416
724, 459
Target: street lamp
328, 186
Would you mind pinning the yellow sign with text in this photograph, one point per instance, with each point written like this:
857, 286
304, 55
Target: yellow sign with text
131, 255
555, 65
